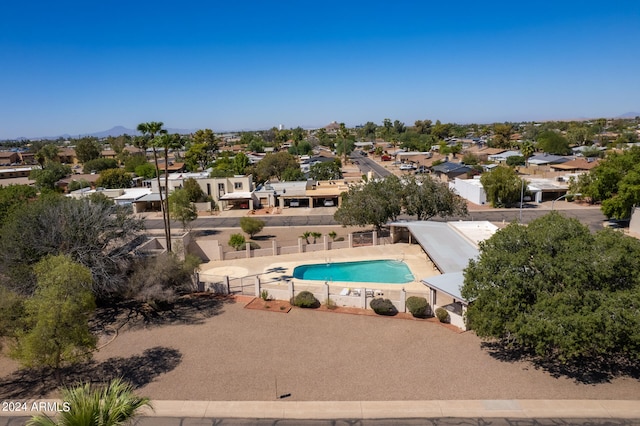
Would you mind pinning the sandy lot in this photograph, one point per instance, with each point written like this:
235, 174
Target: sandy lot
242, 354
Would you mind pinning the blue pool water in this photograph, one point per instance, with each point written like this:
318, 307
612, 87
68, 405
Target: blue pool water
373, 271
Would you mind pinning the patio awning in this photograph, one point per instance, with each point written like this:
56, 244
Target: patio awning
236, 196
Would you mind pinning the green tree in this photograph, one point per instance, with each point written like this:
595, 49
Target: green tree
114, 178
613, 182
374, 203
527, 150
133, 161
202, 149
194, 191
274, 165
47, 178
502, 135
425, 198
146, 171
182, 208
91, 405
74, 185
14, 196
99, 164
57, 316
553, 143
345, 143
11, 313
515, 160
554, 289
251, 225
328, 170
47, 154
502, 186
237, 241
88, 149
293, 175
240, 163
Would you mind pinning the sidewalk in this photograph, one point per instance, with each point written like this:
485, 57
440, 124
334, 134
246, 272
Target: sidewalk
286, 410
282, 409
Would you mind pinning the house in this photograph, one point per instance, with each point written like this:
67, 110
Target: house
502, 156
547, 159
67, 156
448, 170
8, 158
578, 165
226, 192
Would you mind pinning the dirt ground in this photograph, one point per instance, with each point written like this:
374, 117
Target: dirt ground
218, 350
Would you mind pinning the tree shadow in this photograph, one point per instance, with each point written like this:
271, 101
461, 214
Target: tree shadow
262, 237
139, 370
191, 309
582, 370
205, 232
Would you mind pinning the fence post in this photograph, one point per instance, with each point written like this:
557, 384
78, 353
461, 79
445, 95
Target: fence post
363, 298
274, 247
248, 249
300, 250
220, 253
226, 283
290, 286
257, 286
374, 237
199, 285
403, 300
351, 240
325, 242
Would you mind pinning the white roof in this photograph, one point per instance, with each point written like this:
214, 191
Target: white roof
236, 196
133, 193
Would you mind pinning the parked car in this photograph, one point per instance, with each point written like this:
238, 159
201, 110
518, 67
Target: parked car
407, 167
386, 157
328, 203
294, 203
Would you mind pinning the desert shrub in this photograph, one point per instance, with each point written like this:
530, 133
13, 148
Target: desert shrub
383, 307
418, 306
264, 295
443, 315
237, 241
251, 225
330, 304
305, 299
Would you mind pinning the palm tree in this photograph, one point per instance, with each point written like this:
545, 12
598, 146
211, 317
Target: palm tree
527, 150
315, 236
306, 236
113, 405
166, 142
150, 130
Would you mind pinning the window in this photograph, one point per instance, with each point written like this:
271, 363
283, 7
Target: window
237, 185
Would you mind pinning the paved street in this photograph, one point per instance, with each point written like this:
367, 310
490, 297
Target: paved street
592, 217
365, 164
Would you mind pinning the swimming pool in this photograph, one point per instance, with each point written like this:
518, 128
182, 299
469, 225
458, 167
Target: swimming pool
372, 271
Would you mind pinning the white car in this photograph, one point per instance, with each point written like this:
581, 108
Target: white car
407, 167
328, 203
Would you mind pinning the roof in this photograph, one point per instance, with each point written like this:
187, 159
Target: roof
547, 159
449, 250
450, 284
133, 194
154, 196
577, 164
448, 167
236, 196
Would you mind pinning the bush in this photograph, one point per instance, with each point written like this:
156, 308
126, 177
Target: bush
383, 307
237, 241
305, 299
251, 225
418, 306
264, 295
443, 315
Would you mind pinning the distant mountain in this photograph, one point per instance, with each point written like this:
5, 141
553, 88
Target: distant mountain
629, 115
121, 130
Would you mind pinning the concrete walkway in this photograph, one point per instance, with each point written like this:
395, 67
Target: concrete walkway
287, 410
598, 409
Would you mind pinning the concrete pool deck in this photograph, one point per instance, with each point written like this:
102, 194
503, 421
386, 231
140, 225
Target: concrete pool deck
279, 269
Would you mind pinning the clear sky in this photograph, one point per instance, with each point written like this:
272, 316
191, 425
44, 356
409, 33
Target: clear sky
81, 67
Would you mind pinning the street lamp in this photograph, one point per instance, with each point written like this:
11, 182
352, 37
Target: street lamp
577, 194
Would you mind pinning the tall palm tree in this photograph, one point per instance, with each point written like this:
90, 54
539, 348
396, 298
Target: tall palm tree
166, 142
150, 130
113, 405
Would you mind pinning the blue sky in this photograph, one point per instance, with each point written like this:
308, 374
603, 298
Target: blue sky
82, 67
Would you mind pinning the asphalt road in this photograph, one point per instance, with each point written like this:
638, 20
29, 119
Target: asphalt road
593, 218
448, 421
365, 164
